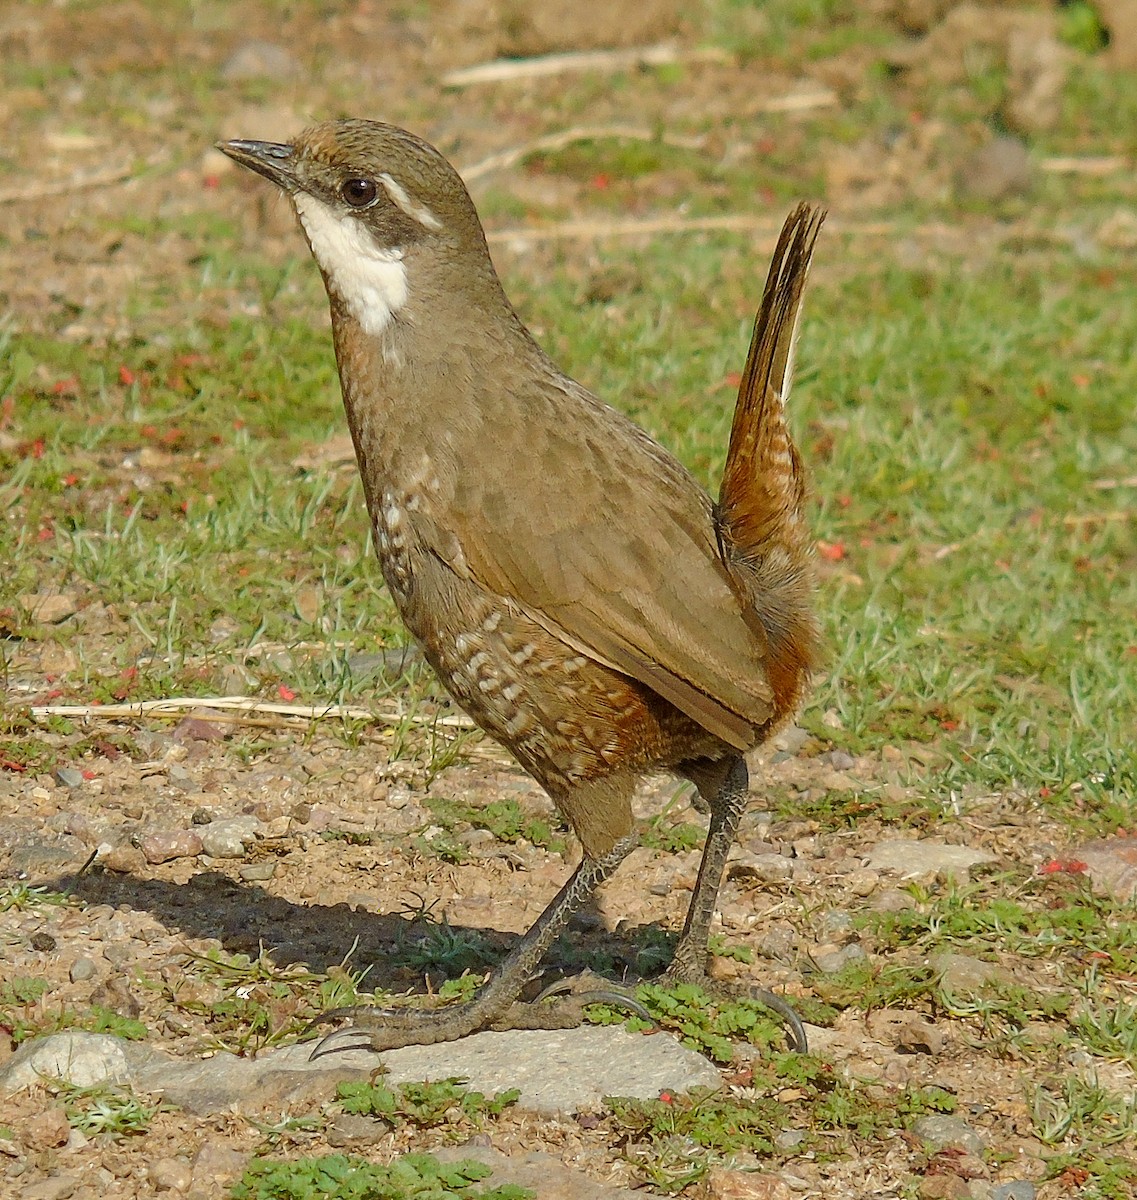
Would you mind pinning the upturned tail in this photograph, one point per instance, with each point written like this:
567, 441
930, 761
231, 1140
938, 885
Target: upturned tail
760, 519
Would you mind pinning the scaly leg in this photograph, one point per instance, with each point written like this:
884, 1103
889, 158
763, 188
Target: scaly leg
726, 792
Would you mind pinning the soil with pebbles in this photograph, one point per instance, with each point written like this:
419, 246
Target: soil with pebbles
199, 851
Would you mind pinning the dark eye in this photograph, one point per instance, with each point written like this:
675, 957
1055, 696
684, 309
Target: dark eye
358, 192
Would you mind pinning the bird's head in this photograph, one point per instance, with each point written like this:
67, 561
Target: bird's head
374, 200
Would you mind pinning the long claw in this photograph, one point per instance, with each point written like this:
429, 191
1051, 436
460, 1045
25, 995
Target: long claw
322, 1047
616, 996
795, 1030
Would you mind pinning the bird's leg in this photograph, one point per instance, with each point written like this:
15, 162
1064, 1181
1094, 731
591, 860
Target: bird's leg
495, 1006
726, 792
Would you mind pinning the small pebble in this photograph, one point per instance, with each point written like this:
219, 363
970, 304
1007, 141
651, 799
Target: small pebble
941, 1131
832, 961
862, 882
126, 860
259, 872
69, 777
81, 969
49, 608
226, 838
840, 760
179, 843
349, 1129
171, 1175
180, 778
48, 1129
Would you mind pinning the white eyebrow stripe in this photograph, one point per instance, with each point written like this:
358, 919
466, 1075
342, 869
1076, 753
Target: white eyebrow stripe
399, 197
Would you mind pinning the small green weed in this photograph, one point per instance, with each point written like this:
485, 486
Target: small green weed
1096, 1176
24, 1016
674, 839
1106, 1026
1039, 917
505, 819
422, 1104
1080, 1109
708, 1025
340, 1177
674, 1139
104, 1110
24, 897
257, 1003
718, 946
863, 984
429, 945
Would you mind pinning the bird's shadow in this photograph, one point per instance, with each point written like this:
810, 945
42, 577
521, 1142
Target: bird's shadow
400, 951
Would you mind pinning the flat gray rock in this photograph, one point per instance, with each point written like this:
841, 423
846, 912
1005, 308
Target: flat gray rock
555, 1070
911, 858
1112, 865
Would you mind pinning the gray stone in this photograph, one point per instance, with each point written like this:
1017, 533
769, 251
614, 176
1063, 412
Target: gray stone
831, 961
962, 973
227, 838
555, 1070
840, 760
911, 858
35, 860
1017, 1189
940, 1131
258, 872
69, 777
82, 969
55, 1187
349, 1129
790, 739
766, 868
84, 1059
171, 1175
1112, 865
180, 778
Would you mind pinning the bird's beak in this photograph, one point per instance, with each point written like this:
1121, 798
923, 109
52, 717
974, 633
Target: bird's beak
273, 160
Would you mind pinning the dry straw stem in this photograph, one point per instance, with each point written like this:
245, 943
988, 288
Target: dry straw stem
510, 70
243, 710
1094, 164
1123, 514
78, 183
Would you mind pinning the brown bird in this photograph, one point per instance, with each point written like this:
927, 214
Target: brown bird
574, 588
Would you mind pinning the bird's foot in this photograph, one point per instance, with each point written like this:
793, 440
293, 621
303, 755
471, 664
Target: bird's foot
559, 1006
683, 972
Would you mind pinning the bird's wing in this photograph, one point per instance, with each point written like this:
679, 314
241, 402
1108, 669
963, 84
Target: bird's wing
603, 538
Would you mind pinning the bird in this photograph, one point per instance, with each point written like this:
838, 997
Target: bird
574, 588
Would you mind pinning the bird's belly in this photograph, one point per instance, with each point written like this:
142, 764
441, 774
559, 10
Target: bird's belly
565, 717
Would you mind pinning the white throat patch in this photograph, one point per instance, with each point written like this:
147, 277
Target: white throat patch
371, 280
